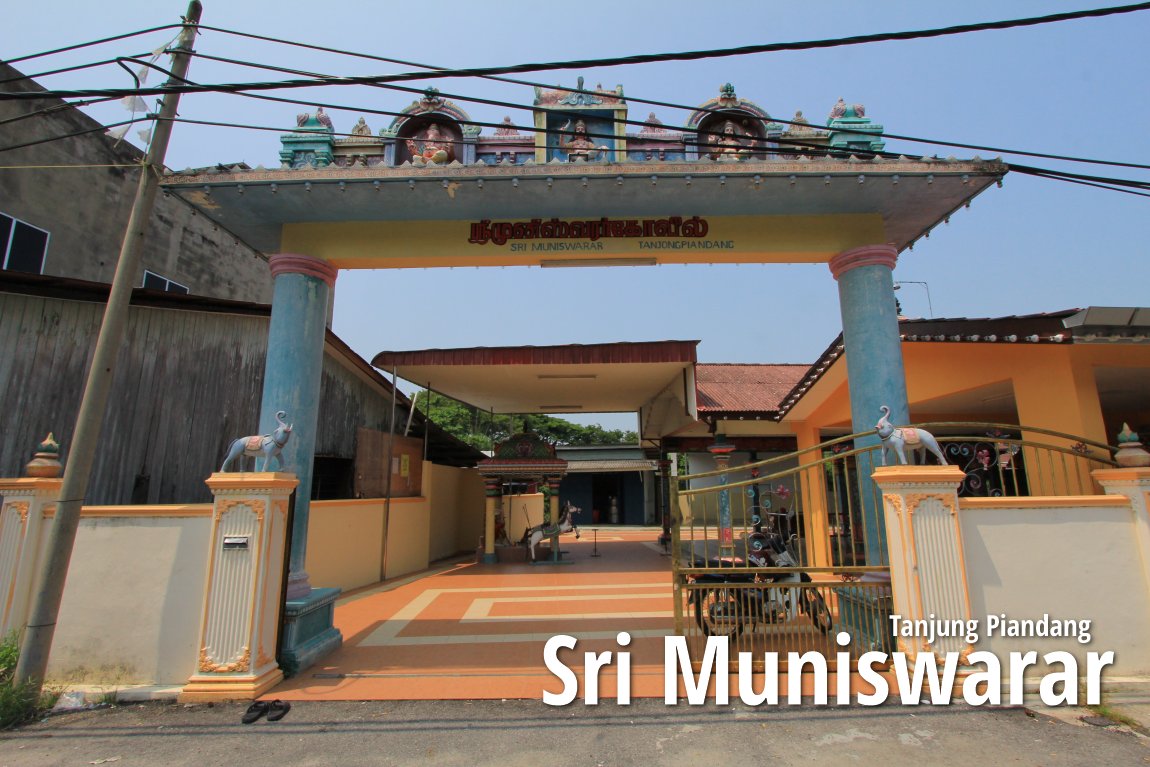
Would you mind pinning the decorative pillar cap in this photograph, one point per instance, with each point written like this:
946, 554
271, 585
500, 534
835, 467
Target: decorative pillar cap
254, 481
867, 255
291, 263
45, 461
895, 476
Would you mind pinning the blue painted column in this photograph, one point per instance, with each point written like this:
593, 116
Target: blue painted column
875, 374
292, 376
722, 454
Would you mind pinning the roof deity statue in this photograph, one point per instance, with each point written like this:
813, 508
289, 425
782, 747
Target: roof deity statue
506, 128
361, 128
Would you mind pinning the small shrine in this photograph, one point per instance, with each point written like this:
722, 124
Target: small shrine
522, 458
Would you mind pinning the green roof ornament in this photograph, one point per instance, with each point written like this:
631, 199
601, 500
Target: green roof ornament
1130, 453
45, 462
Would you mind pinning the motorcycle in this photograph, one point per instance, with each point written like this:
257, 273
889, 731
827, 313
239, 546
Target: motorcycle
726, 609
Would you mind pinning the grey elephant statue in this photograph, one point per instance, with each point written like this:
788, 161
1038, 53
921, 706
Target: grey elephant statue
267, 445
899, 439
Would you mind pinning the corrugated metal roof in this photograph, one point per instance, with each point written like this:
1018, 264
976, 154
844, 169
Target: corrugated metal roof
745, 388
569, 354
622, 464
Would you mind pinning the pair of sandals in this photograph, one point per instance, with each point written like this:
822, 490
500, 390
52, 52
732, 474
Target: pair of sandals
275, 710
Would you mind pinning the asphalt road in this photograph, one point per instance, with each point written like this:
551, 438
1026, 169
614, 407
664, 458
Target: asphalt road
528, 733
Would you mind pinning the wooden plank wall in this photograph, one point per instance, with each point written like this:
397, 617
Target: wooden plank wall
187, 382
371, 462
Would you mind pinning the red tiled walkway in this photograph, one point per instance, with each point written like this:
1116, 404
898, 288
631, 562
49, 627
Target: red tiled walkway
471, 631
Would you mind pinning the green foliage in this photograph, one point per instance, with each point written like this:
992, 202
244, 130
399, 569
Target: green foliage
9, 655
482, 430
18, 703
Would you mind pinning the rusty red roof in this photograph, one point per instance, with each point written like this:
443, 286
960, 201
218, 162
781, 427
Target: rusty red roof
736, 388
570, 354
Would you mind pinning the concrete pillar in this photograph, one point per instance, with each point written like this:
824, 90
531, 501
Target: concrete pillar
551, 515
292, 376
493, 488
237, 646
927, 561
665, 500
722, 453
813, 490
24, 504
873, 350
870, 334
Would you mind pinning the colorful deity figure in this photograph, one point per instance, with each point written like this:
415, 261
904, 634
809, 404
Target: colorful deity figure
580, 148
729, 145
431, 147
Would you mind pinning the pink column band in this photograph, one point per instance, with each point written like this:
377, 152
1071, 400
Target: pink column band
290, 263
867, 255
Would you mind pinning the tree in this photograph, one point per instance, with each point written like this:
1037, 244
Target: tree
483, 430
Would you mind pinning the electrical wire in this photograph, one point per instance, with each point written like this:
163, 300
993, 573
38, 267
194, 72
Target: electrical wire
1099, 182
602, 62
101, 41
76, 68
638, 123
974, 147
59, 107
50, 139
630, 98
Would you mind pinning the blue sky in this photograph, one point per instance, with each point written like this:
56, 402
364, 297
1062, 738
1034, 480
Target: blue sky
1074, 88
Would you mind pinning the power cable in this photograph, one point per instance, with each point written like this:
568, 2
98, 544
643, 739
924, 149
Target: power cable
78, 46
59, 107
639, 123
76, 68
975, 147
603, 62
97, 129
631, 98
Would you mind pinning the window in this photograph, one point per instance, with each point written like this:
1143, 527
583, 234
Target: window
153, 281
22, 246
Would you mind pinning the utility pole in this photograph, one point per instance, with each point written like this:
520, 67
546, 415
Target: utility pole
37, 640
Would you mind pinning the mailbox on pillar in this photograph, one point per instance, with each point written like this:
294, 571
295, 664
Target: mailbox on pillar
242, 600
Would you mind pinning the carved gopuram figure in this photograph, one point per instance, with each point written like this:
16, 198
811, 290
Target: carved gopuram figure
431, 147
729, 145
580, 148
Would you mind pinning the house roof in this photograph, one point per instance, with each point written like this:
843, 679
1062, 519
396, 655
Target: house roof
742, 388
1067, 326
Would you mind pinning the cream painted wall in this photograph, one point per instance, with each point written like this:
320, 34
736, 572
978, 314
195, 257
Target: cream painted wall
135, 596
456, 499
1067, 559
345, 542
408, 530
521, 512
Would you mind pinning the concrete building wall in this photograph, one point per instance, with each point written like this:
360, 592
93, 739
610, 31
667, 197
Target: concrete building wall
85, 209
